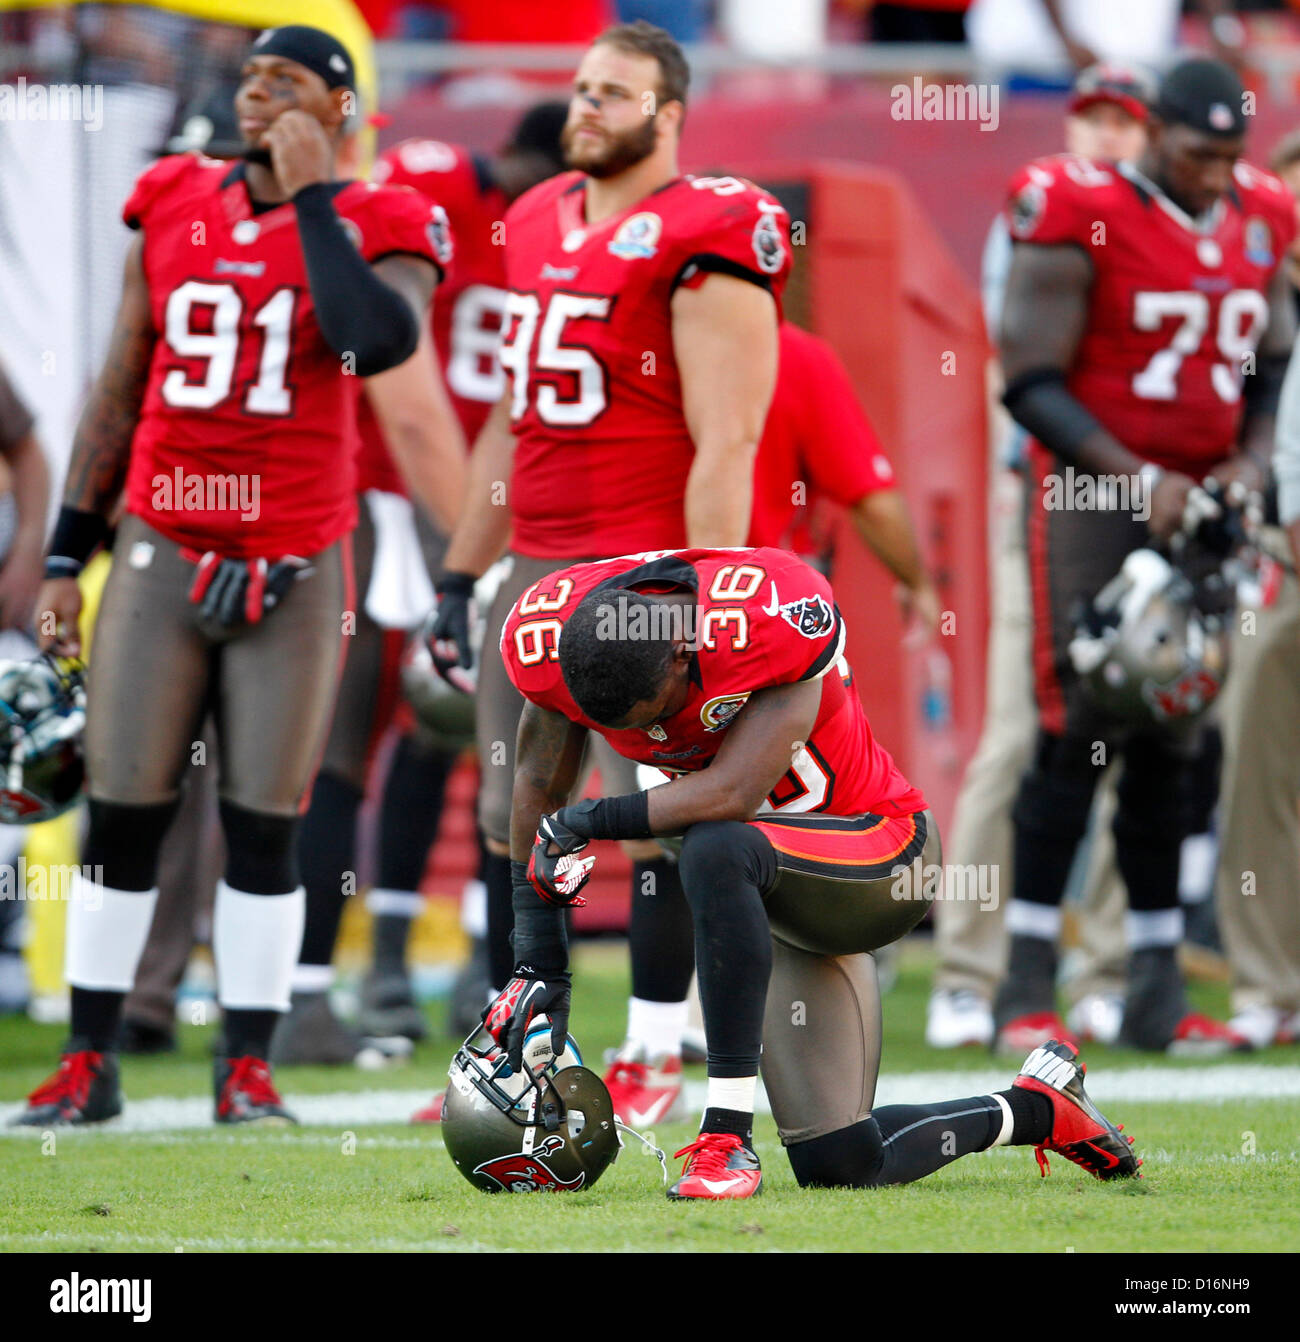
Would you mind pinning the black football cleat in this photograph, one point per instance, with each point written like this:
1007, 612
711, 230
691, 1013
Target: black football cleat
1080, 1131
245, 1093
85, 1089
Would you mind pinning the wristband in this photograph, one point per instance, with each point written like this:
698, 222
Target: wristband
454, 583
540, 937
77, 535
625, 817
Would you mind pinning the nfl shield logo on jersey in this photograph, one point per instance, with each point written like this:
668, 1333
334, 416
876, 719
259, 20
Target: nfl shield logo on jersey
636, 237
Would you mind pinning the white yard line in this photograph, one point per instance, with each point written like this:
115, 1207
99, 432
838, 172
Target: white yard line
236, 1243
342, 1111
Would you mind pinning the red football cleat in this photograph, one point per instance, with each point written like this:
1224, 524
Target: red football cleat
432, 1112
645, 1093
1080, 1131
718, 1165
1197, 1036
246, 1094
1026, 1032
83, 1090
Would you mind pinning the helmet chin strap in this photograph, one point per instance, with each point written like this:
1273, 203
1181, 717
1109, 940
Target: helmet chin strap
620, 1127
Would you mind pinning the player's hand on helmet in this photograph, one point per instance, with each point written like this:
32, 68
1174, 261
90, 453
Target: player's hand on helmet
301, 153
530, 993
58, 610
555, 870
449, 630
1169, 504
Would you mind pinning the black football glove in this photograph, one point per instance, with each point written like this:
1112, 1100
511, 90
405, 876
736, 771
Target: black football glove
529, 994
449, 630
232, 592
557, 877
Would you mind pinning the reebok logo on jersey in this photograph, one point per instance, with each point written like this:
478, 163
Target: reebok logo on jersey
812, 616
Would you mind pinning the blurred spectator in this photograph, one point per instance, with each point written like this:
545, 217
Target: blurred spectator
1258, 886
914, 20
25, 506
686, 20
1033, 34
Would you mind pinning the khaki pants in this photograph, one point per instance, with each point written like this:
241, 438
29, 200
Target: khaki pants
1258, 885
970, 936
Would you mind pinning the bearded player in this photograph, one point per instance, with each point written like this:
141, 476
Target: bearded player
641, 349
803, 849
224, 405
1138, 296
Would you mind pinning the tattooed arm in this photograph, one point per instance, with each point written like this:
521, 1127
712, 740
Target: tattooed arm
101, 451
102, 446
548, 755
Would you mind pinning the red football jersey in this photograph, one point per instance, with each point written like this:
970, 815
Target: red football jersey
602, 450
816, 441
764, 618
1176, 303
247, 435
471, 302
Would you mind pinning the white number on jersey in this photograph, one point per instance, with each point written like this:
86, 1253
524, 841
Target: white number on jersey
554, 356
268, 394
1243, 314
473, 371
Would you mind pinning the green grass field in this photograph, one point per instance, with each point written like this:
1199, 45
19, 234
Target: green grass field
1222, 1174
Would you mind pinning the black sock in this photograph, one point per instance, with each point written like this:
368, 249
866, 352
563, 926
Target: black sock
1031, 1116
390, 934
409, 813
660, 933
327, 850
249, 1032
500, 918
96, 1015
730, 1120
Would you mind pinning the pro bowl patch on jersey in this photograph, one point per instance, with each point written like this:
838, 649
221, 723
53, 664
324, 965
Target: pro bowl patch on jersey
812, 616
1257, 240
636, 237
718, 712
769, 250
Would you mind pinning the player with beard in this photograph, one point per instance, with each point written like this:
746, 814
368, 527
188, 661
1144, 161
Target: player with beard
1138, 296
641, 348
225, 407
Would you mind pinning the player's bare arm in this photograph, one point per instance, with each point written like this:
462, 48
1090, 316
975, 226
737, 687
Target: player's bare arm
422, 432
20, 575
484, 528
1251, 463
1043, 319
885, 525
772, 727
101, 450
548, 756
725, 342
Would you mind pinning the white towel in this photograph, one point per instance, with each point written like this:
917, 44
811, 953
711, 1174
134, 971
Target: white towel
400, 595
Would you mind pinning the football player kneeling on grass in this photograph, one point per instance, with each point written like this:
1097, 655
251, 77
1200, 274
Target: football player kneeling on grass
802, 848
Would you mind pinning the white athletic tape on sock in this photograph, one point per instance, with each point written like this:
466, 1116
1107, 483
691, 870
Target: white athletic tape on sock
256, 940
106, 933
657, 1026
1153, 927
402, 903
1025, 919
1008, 1123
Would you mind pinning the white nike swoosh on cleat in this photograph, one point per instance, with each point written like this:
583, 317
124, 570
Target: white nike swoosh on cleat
642, 1118
719, 1185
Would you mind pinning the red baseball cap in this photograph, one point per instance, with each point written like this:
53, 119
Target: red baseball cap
1126, 86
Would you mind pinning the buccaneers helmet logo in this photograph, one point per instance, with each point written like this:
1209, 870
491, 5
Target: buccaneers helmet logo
812, 616
521, 1173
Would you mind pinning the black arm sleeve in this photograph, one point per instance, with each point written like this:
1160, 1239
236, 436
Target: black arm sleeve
358, 313
1039, 401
